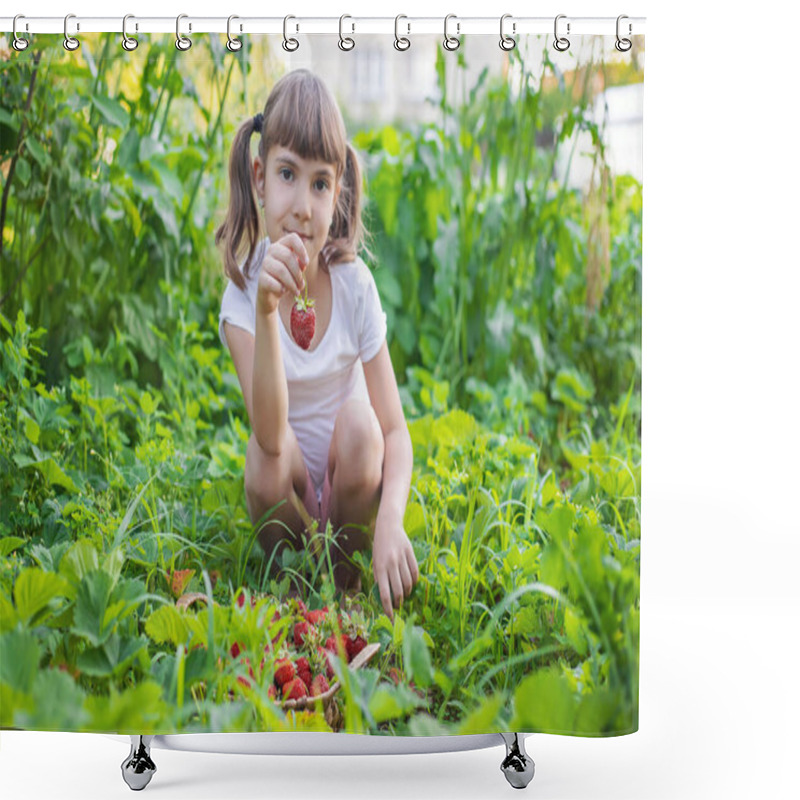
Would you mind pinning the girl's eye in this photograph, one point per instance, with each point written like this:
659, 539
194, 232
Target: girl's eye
322, 184
286, 172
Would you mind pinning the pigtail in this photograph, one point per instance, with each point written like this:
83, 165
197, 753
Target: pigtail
347, 234
242, 225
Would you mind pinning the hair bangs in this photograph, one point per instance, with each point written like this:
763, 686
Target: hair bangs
302, 115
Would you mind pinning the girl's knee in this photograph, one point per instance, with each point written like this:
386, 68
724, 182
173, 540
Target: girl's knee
359, 445
268, 480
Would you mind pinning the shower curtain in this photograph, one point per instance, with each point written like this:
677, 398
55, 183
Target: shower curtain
501, 277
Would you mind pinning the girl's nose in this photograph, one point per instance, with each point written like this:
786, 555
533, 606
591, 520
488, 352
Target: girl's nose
302, 203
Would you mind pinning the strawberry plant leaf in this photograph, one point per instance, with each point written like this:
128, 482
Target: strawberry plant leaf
33, 591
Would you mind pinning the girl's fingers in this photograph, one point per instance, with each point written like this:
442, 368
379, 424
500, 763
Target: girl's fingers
412, 564
397, 586
285, 257
295, 244
386, 595
405, 573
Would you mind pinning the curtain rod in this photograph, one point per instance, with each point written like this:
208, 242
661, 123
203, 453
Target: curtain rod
325, 25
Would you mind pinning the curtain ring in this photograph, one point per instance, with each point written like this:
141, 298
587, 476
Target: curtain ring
128, 42
19, 44
233, 44
289, 45
623, 45
506, 42
561, 43
401, 42
183, 43
451, 42
70, 42
345, 42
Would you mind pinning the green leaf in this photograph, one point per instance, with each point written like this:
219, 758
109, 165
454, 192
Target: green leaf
558, 523
34, 590
8, 614
23, 171
544, 703
148, 405
417, 657
19, 660
572, 389
484, 718
31, 430
167, 625
90, 606
111, 111
598, 713
139, 709
78, 561
50, 471
10, 543
40, 155
389, 702
455, 427
113, 656
553, 569
58, 704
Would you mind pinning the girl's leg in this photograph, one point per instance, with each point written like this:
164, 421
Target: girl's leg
270, 480
355, 469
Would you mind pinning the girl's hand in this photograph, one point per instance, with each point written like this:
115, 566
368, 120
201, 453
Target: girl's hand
281, 271
393, 563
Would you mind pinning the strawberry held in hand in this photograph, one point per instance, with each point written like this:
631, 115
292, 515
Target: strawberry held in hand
304, 320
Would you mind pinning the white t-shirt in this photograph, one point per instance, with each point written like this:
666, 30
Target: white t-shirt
319, 381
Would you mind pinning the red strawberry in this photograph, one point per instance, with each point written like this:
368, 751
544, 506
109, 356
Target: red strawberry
304, 320
319, 686
354, 646
323, 659
304, 670
244, 682
284, 672
316, 616
294, 690
236, 648
329, 671
242, 679
300, 632
240, 598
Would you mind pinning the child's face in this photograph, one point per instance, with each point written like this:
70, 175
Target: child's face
299, 197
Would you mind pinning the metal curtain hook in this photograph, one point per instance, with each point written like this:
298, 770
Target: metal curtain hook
128, 42
19, 44
561, 43
506, 42
401, 42
182, 42
70, 42
234, 44
345, 42
451, 42
623, 45
290, 45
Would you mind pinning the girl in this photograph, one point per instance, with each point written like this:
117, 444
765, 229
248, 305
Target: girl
329, 436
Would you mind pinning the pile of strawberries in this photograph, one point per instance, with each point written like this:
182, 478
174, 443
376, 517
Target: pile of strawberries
302, 666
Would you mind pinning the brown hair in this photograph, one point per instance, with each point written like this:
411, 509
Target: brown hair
301, 114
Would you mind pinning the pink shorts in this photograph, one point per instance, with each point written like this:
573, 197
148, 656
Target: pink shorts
318, 510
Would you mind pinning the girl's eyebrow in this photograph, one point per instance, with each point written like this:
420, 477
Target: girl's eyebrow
285, 159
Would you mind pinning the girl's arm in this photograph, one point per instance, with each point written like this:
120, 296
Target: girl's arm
258, 359
270, 395
242, 344
394, 563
